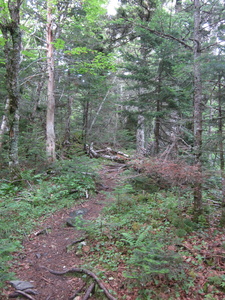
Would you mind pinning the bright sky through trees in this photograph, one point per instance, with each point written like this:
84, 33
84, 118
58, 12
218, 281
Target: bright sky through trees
113, 4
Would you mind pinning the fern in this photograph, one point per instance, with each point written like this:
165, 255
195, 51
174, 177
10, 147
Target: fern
136, 240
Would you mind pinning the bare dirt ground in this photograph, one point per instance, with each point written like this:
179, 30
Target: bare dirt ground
48, 249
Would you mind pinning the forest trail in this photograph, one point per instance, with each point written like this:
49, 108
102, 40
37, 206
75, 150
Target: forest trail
48, 247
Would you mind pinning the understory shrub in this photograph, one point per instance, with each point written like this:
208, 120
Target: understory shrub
151, 261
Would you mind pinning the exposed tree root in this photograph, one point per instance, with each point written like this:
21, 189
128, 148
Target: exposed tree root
89, 291
89, 273
18, 292
77, 292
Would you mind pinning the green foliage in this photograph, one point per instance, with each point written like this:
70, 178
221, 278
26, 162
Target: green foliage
183, 225
145, 183
2, 41
218, 281
133, 228
150, 260
6, 248
94, 9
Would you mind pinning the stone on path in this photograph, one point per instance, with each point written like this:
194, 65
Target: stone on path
75, 219
21, 285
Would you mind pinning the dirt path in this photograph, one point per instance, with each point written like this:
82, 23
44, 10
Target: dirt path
49, 248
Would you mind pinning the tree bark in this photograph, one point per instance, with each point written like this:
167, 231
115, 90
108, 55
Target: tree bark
50, 118
85, 122
221, 150
10, 28
69, 113
158, 109
4, 123
197, 107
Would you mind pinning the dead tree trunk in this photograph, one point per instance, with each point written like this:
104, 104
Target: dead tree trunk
50, 118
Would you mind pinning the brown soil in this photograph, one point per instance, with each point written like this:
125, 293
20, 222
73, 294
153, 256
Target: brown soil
48, 250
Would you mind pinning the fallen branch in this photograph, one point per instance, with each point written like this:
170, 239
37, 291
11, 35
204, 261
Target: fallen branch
89, 273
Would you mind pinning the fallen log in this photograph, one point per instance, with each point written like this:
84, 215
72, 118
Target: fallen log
107, 153
89, 273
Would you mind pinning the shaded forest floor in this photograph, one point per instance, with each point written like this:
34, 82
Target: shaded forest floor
56, 245
48, 247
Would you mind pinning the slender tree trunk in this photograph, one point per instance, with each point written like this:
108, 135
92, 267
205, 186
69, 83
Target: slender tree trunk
66, 139
85, 122
197, 108
50, 129
221, 150
158, 108
68, 119
12, 34
140, 135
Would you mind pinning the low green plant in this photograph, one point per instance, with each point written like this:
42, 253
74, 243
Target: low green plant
151, 260
218, 281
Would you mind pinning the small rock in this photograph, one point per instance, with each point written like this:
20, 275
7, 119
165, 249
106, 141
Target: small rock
38, 255
79, 212
75, 219
21, 285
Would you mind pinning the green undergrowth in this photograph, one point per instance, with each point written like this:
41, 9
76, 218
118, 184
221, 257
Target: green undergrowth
24, 201
144, 232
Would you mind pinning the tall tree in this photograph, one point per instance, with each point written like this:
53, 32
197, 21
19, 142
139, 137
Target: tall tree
198, 102
10, 27
50, 117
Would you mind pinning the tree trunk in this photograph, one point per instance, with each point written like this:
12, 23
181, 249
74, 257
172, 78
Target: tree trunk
158, 109
12, 34
85, 122
4, 123
50, 130
221, 150
140, 135
68, 112
68, 119
197, 108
